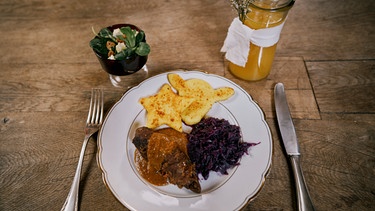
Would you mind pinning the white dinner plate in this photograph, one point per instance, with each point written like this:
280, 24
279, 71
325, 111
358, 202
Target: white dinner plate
219, 192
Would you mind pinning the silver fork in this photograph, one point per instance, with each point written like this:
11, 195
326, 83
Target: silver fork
93, 123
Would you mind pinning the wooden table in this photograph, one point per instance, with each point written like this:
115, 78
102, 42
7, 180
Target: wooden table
325, 58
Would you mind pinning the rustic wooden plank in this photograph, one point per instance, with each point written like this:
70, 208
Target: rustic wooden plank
169, 41
329, 30
35, 151
43, 78
89, 9
73, 9
345, 86
52, 87
344, 183
39, 154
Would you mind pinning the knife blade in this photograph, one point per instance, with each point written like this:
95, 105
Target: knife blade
290, 141
285, 121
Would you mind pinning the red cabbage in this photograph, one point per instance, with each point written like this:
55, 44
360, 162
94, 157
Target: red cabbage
215, 145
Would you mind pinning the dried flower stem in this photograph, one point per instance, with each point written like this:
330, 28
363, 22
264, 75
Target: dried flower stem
242, 8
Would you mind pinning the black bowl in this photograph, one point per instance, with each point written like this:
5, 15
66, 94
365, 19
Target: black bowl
127, 66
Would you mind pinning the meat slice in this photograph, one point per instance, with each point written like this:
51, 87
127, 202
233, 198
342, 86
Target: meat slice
167, 153
181, 172
140, 140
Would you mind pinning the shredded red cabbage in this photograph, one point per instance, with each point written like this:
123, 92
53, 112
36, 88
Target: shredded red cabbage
215, 145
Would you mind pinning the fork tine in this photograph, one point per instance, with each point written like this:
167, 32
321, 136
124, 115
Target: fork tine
91, 107
95, 115
98, 99
94, 96
101, 106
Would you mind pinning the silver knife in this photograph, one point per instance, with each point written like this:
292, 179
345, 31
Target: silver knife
289, 137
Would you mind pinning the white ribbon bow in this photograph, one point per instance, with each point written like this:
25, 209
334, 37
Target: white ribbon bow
237, 43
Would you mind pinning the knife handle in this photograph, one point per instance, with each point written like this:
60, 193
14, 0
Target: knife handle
303, 196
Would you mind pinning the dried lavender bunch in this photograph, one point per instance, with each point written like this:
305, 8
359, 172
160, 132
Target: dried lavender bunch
242, 7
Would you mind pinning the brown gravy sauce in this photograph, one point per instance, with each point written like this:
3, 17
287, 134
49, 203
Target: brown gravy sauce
148, 172
160, 143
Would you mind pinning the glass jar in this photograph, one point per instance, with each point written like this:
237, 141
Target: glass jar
262, 14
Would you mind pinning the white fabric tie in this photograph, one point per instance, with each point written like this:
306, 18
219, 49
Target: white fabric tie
237, 43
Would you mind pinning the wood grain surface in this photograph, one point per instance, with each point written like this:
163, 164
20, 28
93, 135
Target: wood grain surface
325, 58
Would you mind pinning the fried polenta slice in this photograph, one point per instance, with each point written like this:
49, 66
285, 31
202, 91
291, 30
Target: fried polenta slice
165, 107
202, 92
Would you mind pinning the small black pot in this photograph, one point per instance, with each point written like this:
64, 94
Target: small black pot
122, 67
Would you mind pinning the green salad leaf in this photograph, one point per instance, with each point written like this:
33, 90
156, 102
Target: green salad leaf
143, 49
99, 45
129, 36
107, 34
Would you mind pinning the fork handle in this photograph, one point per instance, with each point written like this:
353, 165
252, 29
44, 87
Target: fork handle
71, 202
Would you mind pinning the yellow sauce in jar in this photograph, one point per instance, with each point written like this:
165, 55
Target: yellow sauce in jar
259, 61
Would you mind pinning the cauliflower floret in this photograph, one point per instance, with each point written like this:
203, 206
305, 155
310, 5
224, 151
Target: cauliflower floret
120, 46
117, 32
